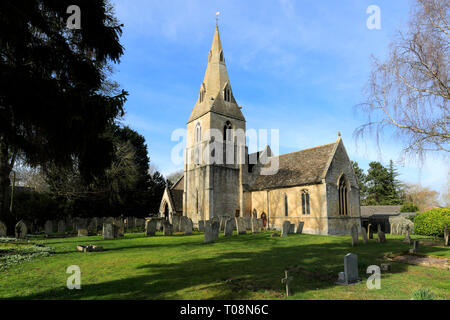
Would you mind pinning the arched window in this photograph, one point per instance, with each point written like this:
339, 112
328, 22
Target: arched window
305, 202
286, 208
198, 132
227, 131
343, 197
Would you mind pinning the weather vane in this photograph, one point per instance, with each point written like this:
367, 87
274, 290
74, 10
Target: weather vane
217, 18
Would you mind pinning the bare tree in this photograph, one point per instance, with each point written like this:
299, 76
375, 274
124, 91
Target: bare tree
409, 92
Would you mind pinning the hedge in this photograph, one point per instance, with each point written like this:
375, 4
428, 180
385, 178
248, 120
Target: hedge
432, 222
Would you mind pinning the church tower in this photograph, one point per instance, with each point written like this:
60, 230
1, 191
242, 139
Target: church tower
212, 172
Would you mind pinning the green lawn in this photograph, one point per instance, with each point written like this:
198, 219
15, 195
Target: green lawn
238, 267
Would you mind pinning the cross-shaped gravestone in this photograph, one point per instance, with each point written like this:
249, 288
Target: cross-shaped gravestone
287, 280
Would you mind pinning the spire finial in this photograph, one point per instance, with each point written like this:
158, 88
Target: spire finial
217, 18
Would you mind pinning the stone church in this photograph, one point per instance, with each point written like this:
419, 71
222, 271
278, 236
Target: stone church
316, 186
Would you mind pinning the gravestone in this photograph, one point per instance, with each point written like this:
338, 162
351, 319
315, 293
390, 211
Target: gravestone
408, 236
292, 228
222, 221
287, 280
300, 227
83, 232
177, 224
286, 228
120, 227
369, 231
255, 226
92, 226
229, 226
109, 231
21, 230
247, 223
188, 227
208, 232
364, 235
381, 237
240, 225
201, 225
215, 227
167, 228
3, 230
260, 224
446, 236
61, 226
150, 227
354, 231
183, 224
48, 227
350, 275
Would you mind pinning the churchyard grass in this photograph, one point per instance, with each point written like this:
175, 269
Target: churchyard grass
239, 267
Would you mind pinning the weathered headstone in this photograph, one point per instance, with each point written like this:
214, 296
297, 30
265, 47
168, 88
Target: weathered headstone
287, 280
446, 236
381, 237
350, 270
240, 225
109, 231
167, 228
364, 235
61, 226
208, 232
177, 222
3, 230
188, 226
369, 231
150, 227
215, 227
120, 227
21, 230
300, 227
354, 231
247, 223
260, 224
286, 228
201, 225
408, 236
229, 226
48, 227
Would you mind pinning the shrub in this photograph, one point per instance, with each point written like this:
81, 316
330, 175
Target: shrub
409, 207
432, 223
422, 294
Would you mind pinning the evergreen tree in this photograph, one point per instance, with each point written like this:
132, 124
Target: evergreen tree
361, 176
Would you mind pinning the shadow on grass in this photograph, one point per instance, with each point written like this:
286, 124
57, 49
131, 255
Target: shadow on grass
235, 275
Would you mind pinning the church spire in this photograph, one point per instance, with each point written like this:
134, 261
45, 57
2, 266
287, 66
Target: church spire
215, 92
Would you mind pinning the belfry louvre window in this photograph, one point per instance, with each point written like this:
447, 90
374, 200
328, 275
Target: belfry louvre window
343, 197
305, 202
227, 94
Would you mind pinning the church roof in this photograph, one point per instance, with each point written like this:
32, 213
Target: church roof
177, 199
211, 98
303, 167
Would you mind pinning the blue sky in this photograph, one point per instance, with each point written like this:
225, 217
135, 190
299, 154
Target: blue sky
297, 66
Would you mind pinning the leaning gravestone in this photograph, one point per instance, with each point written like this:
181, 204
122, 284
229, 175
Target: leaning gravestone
229, 226
21, 230
240, 225
354, 235
286, 228
300, 227
208, 232
188, 226
381, 237
3, 230
350, 274
215, 227
48, 227
201, 225
61, 226
150, 227
364, 235
167, 228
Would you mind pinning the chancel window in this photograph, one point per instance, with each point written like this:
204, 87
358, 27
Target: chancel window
343, 197
305, 202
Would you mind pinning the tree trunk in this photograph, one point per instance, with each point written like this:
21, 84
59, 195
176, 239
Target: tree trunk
5, 171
